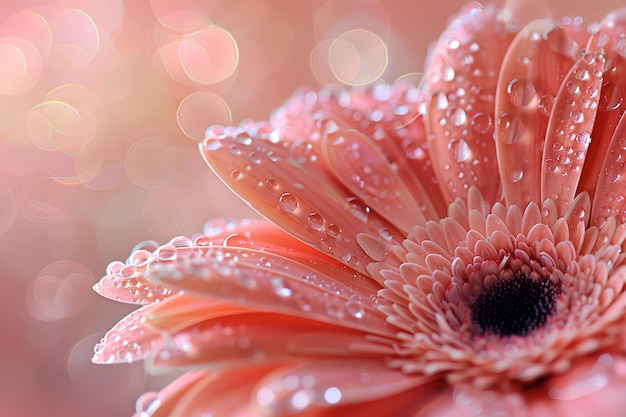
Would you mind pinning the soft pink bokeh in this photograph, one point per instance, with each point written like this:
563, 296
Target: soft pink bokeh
101, 107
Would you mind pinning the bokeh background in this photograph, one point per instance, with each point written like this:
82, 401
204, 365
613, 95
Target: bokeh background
102, 103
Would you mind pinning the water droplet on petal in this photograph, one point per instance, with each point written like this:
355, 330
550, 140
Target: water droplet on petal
521, 91
509, 128
355, 308
610, 97
316, 221
457, 116
481, 122
288, 202
460, 150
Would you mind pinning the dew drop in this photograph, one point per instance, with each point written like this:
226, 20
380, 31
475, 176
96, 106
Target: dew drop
460, 150
448, 74
545, 104
521, 92
166, 253
355, 308
457, 116
332, 395
315, 221
576, 116
610, 97
280, 288
440, 100
288, 202
516, 175
481, 122
621, 47
508, 128
581, 74
613, 174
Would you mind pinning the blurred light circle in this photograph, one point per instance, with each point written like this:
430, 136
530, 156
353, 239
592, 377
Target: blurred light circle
20, 66
209, 56
56, 125
178, 17
200, 110
147, 162
358, 57
62, 289
320, 65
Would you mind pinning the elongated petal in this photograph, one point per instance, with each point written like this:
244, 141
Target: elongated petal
329, 383
250, 339
361, 168
610, 192
289, 183
569, 131
529, 80
611, 106
461, 82
256, 279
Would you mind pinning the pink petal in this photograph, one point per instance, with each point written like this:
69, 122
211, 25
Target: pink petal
611, 105
569, 131
530, 76
362, 169
610, 197
316, 385
244, 340
224, 396
461, 82
261, 280
289, 183
162, 404
129, 341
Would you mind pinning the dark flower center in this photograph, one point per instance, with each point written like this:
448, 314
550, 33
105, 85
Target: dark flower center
514, 306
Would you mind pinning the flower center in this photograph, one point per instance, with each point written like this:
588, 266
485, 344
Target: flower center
514, 306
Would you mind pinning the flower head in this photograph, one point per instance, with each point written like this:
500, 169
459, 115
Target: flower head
451, 248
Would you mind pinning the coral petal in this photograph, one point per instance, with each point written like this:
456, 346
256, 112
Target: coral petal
128, 341
611, 106
331, 383
461, 82
259, 337
221, 396
288, 182
569, 131
530, 76
610, 194
361, 168
257, 279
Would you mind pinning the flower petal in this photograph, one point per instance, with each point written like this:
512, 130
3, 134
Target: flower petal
257, 279
222, 396
610, 194
313, 386
569, 131
362, 169
242, 340
530, 76
461, 81
288, 182
611, 106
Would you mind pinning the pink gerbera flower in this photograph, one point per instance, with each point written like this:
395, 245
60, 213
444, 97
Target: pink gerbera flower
455, 248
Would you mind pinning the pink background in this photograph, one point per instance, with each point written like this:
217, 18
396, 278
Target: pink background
93, 158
